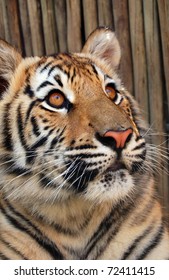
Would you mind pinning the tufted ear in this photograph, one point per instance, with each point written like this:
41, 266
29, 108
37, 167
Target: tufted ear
103, 44
9, 60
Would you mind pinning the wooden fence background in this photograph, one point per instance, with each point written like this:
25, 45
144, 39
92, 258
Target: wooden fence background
38, 27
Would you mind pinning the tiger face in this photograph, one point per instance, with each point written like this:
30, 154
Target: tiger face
70, 128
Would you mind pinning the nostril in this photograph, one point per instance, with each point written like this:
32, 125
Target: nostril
106, 141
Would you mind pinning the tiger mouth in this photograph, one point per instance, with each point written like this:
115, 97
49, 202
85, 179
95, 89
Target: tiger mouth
116, 167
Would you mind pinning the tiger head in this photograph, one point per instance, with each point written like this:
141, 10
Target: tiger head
68, 126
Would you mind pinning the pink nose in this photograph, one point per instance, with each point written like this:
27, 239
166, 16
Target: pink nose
120, 137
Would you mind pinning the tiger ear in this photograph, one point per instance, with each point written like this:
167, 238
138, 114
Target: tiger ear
103, 44
9, 60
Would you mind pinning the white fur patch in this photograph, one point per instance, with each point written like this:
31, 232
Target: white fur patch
41, 77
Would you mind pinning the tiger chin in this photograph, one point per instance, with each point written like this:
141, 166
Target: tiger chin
75, 162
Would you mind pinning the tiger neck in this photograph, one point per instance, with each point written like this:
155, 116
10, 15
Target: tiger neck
76, 213
72, 213
71, 217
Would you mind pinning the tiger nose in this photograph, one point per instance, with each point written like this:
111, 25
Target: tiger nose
120, 137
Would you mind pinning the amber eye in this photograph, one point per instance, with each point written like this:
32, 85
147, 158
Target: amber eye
56, 99
111, 91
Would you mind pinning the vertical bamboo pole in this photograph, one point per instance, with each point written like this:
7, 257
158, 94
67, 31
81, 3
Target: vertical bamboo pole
2, 27
122, 30
34, 11
49, 26
13, 32
105, 13
163, 8
74, 35
90, 16
25, 25
138, 55
61, 24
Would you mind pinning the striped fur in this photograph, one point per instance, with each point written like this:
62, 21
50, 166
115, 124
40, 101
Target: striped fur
66, 190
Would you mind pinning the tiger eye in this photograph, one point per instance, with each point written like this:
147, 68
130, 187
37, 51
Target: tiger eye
111, 92
56, 99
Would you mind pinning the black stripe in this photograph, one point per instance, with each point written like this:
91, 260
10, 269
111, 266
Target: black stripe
74, 75
136, 166
35, 126
46, 66
7, 142
21, 128
116, 224
107, 77
31, 153
58, 80
45, 109
18, 171
82, 147
46, 127
44, 120
142, 156
154, 242
15, 212
12, 248
58, 67
53, 143
136, 241
39, 143
76, 176
142, 145
57, 139
50, 131
95, 70
52, 69
82, 155
42, 240
30, 156
61, 139
121, 210
31, 106
46, 182
44, 84
28, 91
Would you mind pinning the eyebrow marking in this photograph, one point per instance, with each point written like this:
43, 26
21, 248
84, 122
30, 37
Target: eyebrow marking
44, 84
46, 66
107, 77
58, 80
94, 69
52, 69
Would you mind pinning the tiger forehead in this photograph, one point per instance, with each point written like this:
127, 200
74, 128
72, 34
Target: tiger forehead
71, 65
71, 74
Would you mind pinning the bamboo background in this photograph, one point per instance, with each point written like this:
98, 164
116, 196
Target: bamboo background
38, 27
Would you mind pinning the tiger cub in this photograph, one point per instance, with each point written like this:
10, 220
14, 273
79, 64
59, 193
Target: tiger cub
75, 164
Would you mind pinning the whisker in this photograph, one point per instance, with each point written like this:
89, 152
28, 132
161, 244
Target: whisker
9, 181
65, 181
150, 128
160, 147
30, 179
